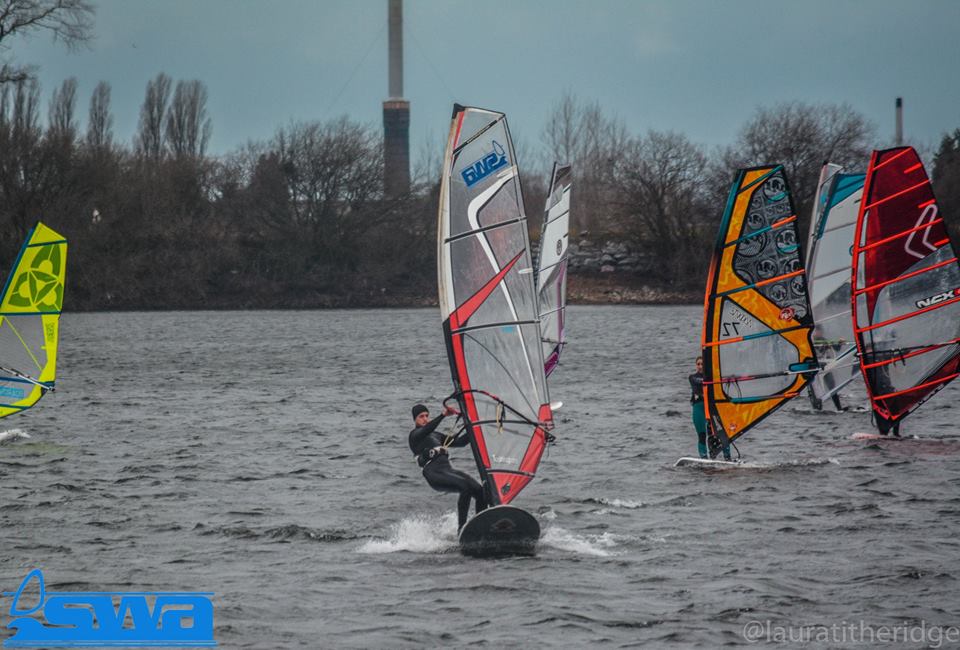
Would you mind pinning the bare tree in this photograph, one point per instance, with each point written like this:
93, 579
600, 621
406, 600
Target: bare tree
802, 137
69, 21
333, 173
561, 133
583, 135
188, 127
661, 201
946, 179
149, 139
63, 103
429, 161
21, 160
100, 122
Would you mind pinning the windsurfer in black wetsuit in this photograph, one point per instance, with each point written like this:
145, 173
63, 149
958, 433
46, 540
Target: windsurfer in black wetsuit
699, 416
834, 347
430, 448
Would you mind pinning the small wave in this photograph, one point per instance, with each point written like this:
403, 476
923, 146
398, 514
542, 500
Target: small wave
593, 545
12, 435
546, 514
68, 487
241, 532
616, 503
293, 531
808, 462
417, 534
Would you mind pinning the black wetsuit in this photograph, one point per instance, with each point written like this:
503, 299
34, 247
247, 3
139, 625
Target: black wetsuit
427, 445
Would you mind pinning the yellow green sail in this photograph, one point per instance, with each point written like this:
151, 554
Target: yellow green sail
30, 320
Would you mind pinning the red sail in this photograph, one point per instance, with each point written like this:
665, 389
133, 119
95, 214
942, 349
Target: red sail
906, 288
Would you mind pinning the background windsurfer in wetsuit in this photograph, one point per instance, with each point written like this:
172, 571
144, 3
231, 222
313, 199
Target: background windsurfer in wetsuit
430, 448
696, 404
823, 345
699, 416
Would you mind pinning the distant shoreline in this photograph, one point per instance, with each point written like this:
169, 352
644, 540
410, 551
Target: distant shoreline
593, 289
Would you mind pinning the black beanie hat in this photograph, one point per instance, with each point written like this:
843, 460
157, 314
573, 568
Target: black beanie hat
418, 409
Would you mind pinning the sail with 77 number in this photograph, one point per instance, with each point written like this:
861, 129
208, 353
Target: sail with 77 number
30, 320
552, 266
757, 347
491, 324
906, 289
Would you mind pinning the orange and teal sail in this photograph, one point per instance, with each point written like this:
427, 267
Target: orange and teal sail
757, 346
30, 320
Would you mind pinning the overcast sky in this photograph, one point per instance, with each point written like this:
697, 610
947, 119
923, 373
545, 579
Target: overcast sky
699, 67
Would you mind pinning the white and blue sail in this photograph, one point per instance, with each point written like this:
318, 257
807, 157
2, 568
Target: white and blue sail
552, 266
830, 242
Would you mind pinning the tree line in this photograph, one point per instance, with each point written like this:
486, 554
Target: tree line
301, 219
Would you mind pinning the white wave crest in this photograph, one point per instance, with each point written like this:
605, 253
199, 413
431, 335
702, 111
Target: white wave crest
621, 503
417, 534
594, 545
13, 434
809, 461
547, 515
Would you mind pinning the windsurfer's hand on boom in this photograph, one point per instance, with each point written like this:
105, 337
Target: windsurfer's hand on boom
449, 410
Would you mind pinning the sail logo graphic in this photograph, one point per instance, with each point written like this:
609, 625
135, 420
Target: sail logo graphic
926, 217
15, 393
39, 287
930, 301
480, 169
84, 619
775, 189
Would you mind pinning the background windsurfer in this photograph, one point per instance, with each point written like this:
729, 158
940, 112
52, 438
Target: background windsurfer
832, 348
700, 418
430, 448
696, 404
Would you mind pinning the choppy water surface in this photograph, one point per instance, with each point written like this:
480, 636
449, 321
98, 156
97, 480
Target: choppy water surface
263, 456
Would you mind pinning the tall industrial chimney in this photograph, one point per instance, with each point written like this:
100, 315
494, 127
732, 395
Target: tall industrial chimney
899, 132
396, 111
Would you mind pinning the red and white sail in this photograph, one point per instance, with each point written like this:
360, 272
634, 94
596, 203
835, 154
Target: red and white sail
488, 303
905, 288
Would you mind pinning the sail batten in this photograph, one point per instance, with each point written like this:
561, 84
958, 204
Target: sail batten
756, 342
488, 303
